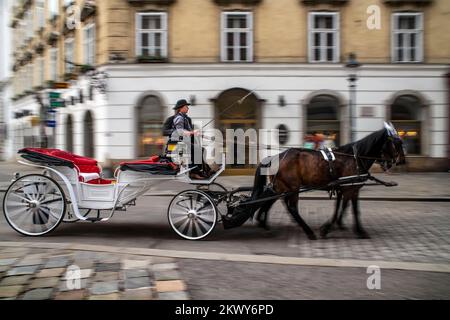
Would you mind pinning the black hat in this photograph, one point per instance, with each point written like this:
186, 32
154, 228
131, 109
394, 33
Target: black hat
180, 104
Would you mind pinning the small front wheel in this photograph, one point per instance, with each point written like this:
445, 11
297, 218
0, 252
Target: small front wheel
34, 205
192, 214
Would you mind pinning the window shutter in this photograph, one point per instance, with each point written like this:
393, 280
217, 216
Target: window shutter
250, 37
222, 36
310, 36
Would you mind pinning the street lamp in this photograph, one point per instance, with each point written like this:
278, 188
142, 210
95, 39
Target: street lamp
352, 65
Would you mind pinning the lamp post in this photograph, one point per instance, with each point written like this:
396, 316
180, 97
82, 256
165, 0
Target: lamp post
352, 65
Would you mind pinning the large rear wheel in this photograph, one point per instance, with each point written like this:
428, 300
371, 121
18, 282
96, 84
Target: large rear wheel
34, 205
192, 214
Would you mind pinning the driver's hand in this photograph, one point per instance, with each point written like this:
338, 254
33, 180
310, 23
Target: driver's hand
196, 132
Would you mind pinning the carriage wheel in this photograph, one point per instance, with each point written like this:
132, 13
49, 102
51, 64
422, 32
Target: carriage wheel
70, 217
192, 214
34, 205
214, 187
218, 193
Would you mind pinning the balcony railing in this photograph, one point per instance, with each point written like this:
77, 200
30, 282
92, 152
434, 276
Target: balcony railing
399, 2
312, 2
89, 8
163, 2
39, 48
228, 2
52, 37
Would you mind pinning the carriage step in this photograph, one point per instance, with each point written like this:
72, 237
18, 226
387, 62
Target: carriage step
94, 219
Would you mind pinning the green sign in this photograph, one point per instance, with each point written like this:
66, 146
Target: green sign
55, 100
54, 95
56, 103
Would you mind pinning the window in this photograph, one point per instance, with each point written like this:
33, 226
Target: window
407, 116
237, 36
88, 130
28, 19
53, 8
150, 119
69, 133
322, 121
407, 37
30, 77
68, 47
323, 37
53, 64
40, 16
151, 34
89, 44
41, 70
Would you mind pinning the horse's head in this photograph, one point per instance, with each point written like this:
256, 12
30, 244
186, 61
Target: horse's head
393, 151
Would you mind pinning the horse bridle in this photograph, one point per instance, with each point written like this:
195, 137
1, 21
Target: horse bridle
385, 161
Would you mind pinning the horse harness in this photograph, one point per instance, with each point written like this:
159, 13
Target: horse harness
329, 157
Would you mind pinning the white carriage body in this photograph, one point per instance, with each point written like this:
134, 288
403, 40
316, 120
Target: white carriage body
127, 186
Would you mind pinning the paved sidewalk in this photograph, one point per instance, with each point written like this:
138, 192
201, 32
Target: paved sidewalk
28, 273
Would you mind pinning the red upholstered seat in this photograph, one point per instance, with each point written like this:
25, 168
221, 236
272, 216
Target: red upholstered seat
101, 181
87, 167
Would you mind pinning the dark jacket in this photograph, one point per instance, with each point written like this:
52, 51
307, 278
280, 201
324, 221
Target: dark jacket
182, 122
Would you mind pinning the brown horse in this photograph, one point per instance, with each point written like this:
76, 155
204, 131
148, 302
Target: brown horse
304, 168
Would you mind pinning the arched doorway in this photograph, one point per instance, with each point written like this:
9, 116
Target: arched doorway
229, 114
150, 117
88, 126
323, 120
69, 133
406, 114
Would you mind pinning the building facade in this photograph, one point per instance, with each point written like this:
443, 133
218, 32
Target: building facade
5, 73
115, 68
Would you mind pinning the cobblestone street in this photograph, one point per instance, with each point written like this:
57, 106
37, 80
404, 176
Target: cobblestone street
137, 255
41, 274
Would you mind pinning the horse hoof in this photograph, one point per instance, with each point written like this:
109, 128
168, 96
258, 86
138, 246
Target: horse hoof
263, 225
324, 230
312, 236
362, 235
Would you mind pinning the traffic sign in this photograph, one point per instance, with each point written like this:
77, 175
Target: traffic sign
56, 103
55, 100
51, 123
51, 119
54, 95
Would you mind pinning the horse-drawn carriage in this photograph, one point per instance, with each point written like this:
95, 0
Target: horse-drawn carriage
71, 188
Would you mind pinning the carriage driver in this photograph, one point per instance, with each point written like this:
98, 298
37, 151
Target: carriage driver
182, 126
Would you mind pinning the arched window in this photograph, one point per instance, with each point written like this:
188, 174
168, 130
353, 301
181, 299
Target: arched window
69, 133
88, 126
150, 120
323, 119
406, 116
245, 116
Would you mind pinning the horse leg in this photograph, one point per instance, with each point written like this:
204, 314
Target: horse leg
292, 206
327, 226
341, 215
359, 230
263, 214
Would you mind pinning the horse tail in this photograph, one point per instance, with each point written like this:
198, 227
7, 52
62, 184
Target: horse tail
243, 212
258, 184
